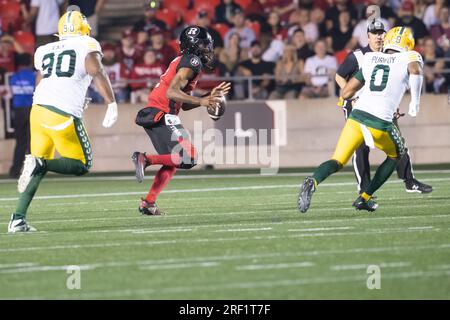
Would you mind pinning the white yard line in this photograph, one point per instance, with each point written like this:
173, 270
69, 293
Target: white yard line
274, 266
198, 240
196, 190
34, 267
342, 267
244, 229
221, 286
201, 176
180, 266
319, 229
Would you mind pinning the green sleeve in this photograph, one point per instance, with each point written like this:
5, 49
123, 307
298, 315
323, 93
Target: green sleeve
359, 75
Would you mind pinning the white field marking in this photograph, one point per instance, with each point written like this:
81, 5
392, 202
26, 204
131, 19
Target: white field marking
204, 176
319, 229
421, 228
331, 220
440, 267
247, 256
189, 198
140, 231
17, 265
198, 240
257, 187
181, 266
244, 229
341, 267
221, 286
42, 268
275, 266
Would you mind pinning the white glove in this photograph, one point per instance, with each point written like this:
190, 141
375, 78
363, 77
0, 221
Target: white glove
111, 115
87, 100
413, 109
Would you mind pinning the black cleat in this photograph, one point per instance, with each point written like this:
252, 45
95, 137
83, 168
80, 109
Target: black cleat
306, 191
361, 204
149, 209
140, 163
414, 185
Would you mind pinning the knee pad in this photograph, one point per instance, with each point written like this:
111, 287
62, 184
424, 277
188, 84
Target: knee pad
189, 164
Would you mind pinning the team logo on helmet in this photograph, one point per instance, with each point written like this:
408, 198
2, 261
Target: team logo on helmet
194, 61
193, 31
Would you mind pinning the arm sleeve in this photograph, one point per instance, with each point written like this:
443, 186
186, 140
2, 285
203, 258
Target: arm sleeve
348, 67
37, 60
415, 84
192, 62
359, 75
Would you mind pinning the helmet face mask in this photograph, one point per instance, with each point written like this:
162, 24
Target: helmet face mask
197, 41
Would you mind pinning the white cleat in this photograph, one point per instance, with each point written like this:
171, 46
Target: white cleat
19, 225
29, 167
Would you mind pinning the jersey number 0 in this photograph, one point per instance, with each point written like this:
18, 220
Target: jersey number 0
49, 60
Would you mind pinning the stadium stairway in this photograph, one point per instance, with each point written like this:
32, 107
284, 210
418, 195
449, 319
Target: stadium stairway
116, 16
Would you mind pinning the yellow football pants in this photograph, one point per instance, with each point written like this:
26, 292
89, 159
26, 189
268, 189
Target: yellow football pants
52, 129
352, 136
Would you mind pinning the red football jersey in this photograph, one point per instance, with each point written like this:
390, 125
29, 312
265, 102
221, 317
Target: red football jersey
158, 98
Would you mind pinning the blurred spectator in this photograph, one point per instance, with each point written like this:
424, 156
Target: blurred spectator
287, 75
301, 19
318, 18
431, 15
246, 34
259, 10
129, 54
225, 11
272, 35
9, 49
150, 21
441, 32
407, 19
273, 28
142, 40
319, 69
22, 84
341, 35
164, 53
90, 8
233, 53
255, 66
148, 73
46, 14
332, 14
25, 7
360, 32
116, 72
433, 65
203, 20
299, 42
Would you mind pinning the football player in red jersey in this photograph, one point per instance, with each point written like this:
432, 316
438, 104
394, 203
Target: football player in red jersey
159, 119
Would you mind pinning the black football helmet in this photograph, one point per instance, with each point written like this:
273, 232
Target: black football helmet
197, 40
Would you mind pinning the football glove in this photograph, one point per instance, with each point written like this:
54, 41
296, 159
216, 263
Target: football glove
111, 115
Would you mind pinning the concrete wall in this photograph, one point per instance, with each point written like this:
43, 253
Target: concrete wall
313, 127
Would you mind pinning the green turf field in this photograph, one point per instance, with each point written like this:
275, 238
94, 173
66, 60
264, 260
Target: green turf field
227, 237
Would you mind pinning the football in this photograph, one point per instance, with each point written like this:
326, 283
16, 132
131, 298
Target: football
218, 110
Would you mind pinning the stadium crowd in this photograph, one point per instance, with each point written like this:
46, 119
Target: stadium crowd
293, 47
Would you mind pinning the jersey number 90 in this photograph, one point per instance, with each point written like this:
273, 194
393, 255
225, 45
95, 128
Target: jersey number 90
49, 60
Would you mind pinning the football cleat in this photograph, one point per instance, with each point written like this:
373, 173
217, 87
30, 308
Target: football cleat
149, 209
414, 185
19, 225
31, 165
140, 163
306, 191
361, 204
